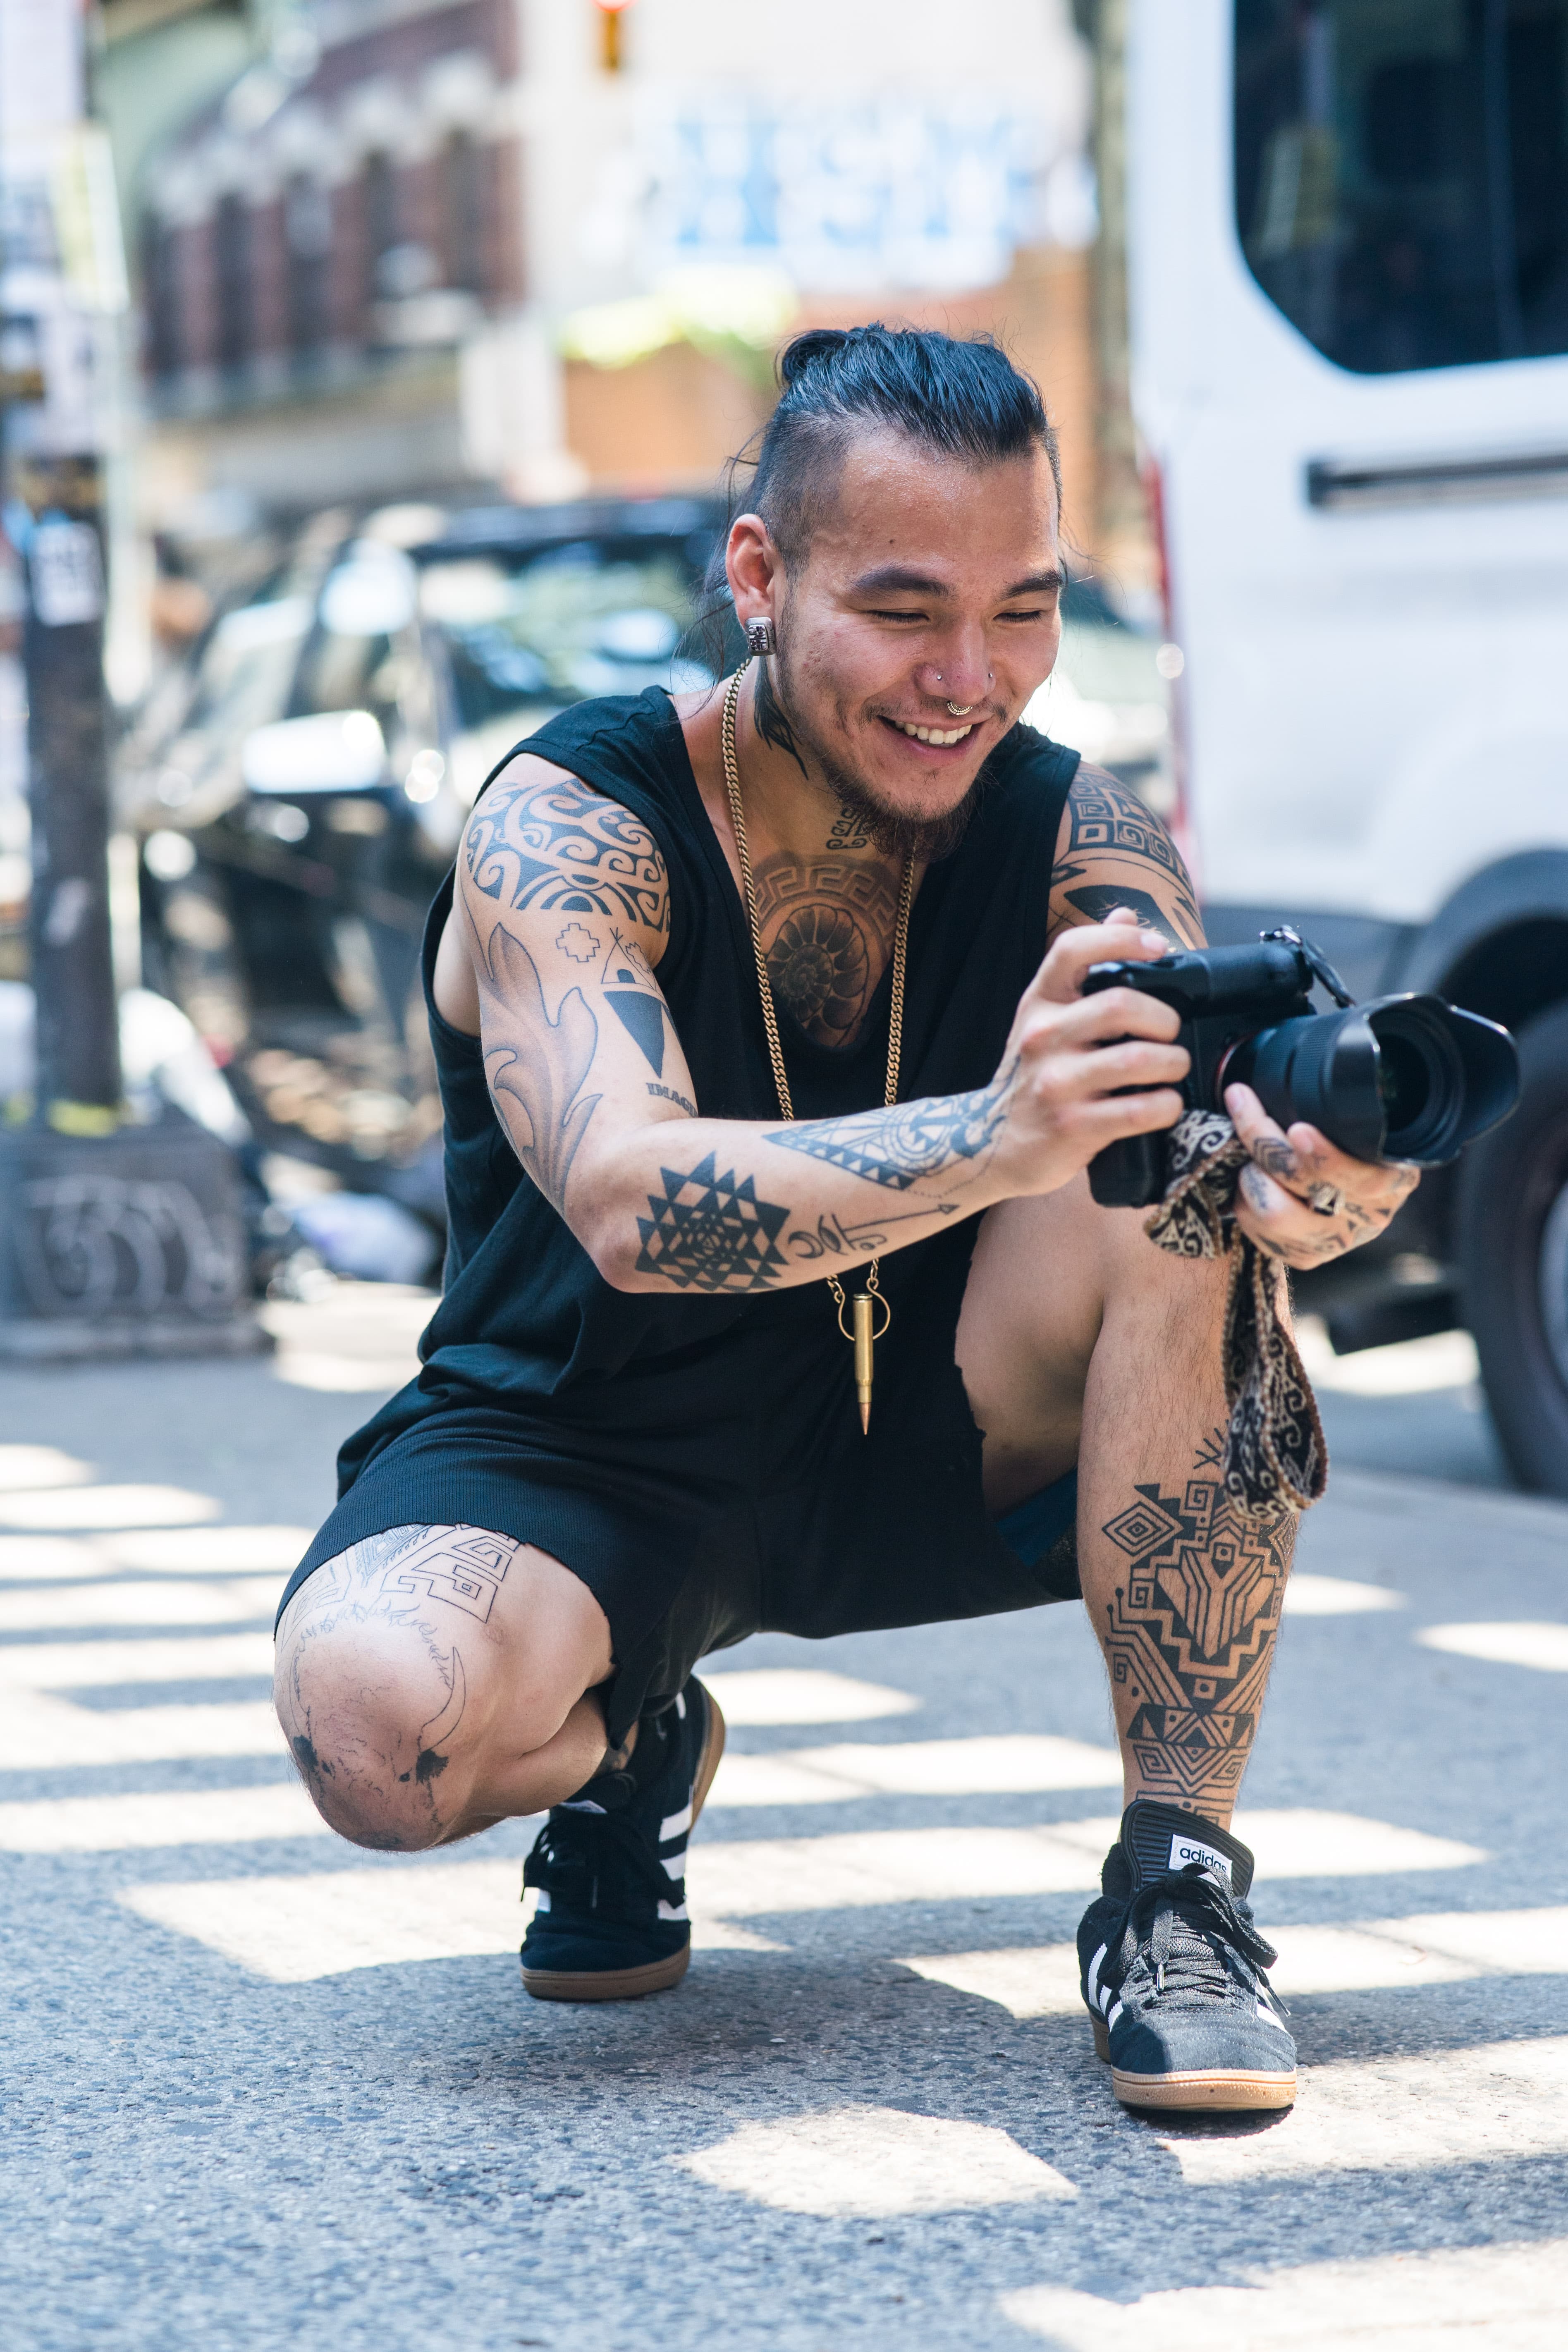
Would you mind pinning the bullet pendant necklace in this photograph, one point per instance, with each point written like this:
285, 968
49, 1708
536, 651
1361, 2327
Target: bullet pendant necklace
863, 1330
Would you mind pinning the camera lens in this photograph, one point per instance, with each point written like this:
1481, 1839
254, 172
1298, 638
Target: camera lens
1421, 1081
1403, 1082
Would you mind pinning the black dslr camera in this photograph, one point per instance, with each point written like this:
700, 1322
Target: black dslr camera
1403, 1078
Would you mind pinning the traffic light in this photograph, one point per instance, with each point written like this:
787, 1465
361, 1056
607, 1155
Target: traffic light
611, 53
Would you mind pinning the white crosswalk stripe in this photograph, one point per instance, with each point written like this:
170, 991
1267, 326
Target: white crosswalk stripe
58, 1608
1541, 1645
1019, 1761
182, 1817
41, 1733
1506, 2298
84, 1666
48, 1507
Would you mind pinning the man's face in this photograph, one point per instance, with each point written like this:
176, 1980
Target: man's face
927, 581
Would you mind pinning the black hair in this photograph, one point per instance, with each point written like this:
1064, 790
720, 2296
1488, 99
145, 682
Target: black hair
964, 397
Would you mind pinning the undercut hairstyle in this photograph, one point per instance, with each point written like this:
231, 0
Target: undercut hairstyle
960, 397
964, 399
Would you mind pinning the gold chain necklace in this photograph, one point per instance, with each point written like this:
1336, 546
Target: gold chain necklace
863, 1331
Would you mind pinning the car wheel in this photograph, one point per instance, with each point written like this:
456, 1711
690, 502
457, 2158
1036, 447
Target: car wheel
1513, 1260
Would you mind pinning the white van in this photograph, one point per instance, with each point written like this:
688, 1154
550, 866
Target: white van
1348, 236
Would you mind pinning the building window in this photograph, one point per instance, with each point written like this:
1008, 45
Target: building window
308, 240
1402, 175
231, 257
463, 184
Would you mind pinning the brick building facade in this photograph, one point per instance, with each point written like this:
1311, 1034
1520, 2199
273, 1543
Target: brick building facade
306, 235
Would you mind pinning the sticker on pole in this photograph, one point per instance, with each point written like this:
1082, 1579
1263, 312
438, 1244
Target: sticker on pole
67, 574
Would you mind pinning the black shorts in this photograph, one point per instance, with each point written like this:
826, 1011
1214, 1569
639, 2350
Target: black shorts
770, 1513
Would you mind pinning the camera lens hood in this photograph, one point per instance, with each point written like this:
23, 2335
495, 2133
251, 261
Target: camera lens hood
1401, 1078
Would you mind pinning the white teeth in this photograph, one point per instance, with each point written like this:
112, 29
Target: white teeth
934, 735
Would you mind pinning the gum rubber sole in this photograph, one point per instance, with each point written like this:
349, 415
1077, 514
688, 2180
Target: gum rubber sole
1210, 2091
653, 1976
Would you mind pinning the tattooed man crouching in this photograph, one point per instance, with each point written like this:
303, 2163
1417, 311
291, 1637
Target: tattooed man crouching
638, 1432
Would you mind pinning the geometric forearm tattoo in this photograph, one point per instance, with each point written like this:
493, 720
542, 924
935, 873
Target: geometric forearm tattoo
1189, 1637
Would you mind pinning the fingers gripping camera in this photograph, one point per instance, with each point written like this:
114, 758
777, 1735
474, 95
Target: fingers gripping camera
1405, 1078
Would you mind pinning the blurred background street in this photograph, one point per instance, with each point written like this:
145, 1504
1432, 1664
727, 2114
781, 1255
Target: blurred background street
370, 373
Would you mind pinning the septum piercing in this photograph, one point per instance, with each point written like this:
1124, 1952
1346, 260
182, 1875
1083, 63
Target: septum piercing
962, 710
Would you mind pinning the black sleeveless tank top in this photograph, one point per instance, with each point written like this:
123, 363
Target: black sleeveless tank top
526, 1320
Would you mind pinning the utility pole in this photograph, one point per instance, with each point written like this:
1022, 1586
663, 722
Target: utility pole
116, 1237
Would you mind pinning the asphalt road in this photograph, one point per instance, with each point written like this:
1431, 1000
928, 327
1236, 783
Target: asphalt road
262, 2090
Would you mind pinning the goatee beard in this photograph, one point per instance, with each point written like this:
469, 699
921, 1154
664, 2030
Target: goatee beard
923, 840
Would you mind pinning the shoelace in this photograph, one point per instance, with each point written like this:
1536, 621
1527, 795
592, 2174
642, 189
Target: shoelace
570, 1857
1201, 1939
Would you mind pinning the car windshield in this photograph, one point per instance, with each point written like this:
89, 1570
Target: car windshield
550, 628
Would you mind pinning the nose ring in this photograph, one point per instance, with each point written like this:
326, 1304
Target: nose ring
960, 709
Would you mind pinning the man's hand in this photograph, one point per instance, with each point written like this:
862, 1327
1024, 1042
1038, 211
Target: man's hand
1070, 1058
1301, 1199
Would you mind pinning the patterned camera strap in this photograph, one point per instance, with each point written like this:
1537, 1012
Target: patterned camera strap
1275, 1457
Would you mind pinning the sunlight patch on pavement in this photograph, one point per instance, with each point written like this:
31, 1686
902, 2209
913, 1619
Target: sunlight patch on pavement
1472, 2298
82, 1665
1336, 1596
988, 1765
24, 1466
1377, 1956
59, 1608
172, 1816
1029, 1979
1543, 1645
34, 1560
1504, 2100
875, 2161
48, 1507
210, 1551
851, 1870
769, 1694
1298, 1842
295, 1930
39, 1732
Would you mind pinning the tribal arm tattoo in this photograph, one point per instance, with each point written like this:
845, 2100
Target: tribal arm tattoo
545, 840
1189, 1634
1113, 851
564, 901
910, 1141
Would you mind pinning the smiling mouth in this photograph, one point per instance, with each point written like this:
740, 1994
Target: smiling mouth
944, 736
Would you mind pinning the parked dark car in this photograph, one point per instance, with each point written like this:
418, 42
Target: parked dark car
298, 792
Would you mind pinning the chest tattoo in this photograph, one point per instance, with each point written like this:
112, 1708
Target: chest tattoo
827, 926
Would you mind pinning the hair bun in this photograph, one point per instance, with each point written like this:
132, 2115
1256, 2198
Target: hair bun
816, 343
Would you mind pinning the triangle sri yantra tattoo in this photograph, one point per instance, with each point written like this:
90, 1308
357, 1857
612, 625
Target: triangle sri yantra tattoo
707, 1233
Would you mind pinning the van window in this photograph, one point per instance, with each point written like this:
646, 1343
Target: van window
1402, 175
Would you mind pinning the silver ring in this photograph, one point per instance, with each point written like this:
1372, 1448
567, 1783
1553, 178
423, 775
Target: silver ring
1325, 1200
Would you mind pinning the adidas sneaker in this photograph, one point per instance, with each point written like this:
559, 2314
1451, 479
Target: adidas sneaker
609, 1865
1172, 1971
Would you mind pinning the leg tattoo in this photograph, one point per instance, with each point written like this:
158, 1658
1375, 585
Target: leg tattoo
1189, 1636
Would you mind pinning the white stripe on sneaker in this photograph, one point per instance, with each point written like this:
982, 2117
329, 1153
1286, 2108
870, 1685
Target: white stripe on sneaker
1093, 1979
